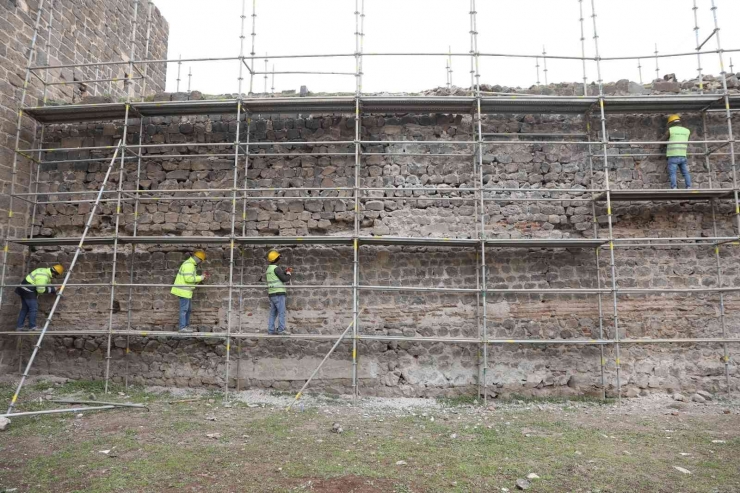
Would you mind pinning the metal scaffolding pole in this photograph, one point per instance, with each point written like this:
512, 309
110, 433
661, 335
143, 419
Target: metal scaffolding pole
19, 123
587, 119
252, 52
583, 52
179, 65
609, 216
359, 17
698, 51
544, 63
127, 351
37, 168
248, 120
733, 163
114, 268
478, 126
229, 313
60, 291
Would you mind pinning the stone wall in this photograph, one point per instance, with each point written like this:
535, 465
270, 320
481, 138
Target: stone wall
82, 31
391, 368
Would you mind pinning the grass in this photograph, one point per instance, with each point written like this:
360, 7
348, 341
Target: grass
464, 449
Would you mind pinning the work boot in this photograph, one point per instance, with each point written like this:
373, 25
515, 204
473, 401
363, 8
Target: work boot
186, 330
283, 333
21, 329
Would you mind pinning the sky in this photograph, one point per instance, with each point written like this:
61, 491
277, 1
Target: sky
211, 28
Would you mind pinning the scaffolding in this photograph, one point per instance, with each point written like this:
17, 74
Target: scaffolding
475, 102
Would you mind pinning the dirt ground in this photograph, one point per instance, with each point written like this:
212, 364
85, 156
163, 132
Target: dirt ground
193, 441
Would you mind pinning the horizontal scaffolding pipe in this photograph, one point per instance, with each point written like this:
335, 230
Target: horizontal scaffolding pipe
439, 189
353, 74
90, 81
100, 403
57, 411
124, 62
365, 142
352, 55
380, 337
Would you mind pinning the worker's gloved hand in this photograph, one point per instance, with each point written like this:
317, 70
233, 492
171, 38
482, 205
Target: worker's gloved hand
289, 270
52, 290
206, 275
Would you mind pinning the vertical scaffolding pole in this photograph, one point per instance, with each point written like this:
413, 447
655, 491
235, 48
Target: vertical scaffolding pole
537, 67
544, 62
244, 233
639, 69
608, 202
583, 51
14, 169
472, 53
657, 69
358, 158
720, 277
119, 195
127, 351
39, 156
60, 291
190, 77
179, 65
254, 35
248, 120
597, 250
478, 125
229, 313
733, 163
698, 52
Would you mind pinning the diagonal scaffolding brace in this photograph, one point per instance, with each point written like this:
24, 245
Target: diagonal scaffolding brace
60, 291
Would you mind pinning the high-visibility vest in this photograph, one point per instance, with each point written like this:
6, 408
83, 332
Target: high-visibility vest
678, 134
274, 284
186, 279
39, 278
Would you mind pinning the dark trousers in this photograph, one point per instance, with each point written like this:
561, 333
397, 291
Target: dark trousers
29, 308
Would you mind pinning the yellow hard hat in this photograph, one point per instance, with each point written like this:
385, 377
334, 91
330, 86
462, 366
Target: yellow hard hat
200, 254
674, 118
273, 256
58, 268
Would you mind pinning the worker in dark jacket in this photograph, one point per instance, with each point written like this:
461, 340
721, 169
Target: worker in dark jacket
34, 284
277, 277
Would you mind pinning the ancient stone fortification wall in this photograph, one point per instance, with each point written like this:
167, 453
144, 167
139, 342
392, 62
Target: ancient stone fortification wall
392, 368
82, 31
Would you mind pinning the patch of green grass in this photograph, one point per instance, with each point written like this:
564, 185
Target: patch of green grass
460, 400
584, 399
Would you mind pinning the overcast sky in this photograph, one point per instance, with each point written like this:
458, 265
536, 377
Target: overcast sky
210, 28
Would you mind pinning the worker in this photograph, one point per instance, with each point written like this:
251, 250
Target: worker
676, 153
276, 278
185, 281
34, 284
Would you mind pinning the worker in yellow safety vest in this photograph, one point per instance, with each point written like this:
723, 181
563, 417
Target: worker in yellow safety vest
678, 137
277, 277
185, 281
34, 284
